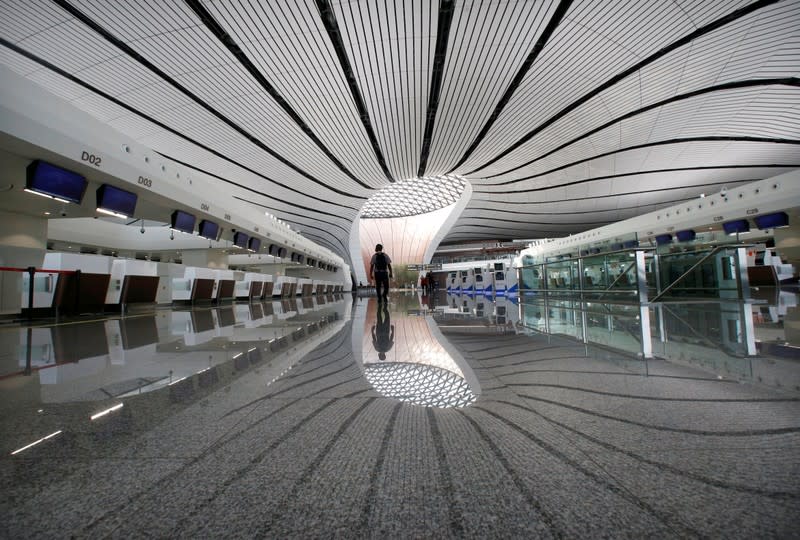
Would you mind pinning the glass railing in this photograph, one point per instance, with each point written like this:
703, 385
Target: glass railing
616, 326
637, 274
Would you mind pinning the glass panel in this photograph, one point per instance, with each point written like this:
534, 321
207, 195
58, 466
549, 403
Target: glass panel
713, 335
698, 274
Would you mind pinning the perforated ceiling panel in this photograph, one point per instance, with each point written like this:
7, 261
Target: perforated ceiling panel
563, 115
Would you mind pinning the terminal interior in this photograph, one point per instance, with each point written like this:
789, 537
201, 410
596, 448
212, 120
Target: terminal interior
593, 216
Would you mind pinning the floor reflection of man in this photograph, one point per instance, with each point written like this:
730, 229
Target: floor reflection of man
383, 332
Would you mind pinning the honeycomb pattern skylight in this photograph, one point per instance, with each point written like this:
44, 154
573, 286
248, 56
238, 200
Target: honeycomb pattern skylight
422, 384
414, 197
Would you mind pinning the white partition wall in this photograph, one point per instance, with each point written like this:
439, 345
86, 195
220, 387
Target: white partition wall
127, 267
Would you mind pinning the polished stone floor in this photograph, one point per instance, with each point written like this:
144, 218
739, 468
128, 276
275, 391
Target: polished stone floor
338, 417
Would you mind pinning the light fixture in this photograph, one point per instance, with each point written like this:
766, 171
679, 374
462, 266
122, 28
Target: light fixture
105, 412
34, 443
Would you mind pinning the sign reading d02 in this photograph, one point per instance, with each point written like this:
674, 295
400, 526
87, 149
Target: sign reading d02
91, 158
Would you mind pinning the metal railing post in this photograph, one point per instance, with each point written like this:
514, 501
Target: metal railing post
31, 273
644, 307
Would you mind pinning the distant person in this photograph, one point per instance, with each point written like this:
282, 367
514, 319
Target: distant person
380, 269
423, 283
429, 282
383, 332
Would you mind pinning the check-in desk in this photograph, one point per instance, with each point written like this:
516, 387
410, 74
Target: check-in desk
225, 284
132, 282
305, 287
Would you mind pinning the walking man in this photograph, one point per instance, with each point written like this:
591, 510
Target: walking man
380, 269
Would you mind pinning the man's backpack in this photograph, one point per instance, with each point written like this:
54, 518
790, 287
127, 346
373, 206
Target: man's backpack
381, 265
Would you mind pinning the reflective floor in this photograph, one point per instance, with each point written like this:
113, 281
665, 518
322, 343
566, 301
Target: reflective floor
439, 416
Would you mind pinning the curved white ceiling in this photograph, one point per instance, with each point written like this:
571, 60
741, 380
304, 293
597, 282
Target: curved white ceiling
563, 115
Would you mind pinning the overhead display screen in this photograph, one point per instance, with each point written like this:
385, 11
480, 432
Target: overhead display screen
47, 179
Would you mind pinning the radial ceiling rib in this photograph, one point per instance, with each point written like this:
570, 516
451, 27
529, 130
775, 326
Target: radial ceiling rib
437, 72
91, 23
733, 16
676, 141
167, 128
783, 81
230, 43
727, 182
482, 210
275, 211
316, 210
555, 20
332, 28
643, 173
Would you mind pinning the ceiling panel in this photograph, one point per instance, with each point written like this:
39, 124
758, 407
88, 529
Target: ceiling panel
562, 115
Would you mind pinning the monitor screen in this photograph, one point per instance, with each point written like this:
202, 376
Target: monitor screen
115, 200
662, 239
183, 221
47, 179
254, 244
209, 229
240, 239
685, 236
737, 226
771, 221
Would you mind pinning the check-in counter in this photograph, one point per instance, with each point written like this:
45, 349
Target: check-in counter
225, 284
132, 282
318, 286
168, 273
277, 290
196, 284
70, 292
288, 287
252, 286
305, 287
269, 287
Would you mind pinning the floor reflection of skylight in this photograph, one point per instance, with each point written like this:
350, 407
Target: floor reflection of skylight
420, 384
404, 359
